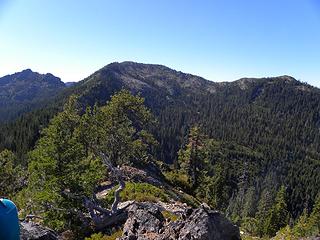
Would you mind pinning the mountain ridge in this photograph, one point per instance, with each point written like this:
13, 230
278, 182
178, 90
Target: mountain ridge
23, 91
150, 78
174, 79
277, 118
119, 66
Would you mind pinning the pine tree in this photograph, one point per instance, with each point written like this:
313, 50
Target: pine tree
278, 215
191, 157
65, 167
11, 175
264, 206
249, 207
122, 130
314, 220
220, 187
282, 208
300, 229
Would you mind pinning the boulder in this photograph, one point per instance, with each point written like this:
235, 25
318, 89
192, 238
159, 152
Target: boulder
143, 219
33, 231
146, 221
205, 224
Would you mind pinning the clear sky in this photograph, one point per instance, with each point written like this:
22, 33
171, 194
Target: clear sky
221, 40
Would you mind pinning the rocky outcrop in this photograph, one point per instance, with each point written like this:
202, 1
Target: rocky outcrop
143, 218
158, 221
33, 231
146, 221
138, 175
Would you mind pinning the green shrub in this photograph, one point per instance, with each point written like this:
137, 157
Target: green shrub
169, 215
285, 233
141, 192
100, 236
189, 200
177, 178
97, 236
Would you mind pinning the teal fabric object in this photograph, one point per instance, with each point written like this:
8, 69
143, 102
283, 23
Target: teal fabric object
9, 221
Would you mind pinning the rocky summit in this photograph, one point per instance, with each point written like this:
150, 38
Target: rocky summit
154, 221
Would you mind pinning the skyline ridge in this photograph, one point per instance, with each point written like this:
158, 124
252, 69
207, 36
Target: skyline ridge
162, 65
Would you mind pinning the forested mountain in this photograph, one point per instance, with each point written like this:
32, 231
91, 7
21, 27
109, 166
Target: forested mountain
26, 90
245, 147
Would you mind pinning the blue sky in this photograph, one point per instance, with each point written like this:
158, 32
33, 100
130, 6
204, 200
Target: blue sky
221, 40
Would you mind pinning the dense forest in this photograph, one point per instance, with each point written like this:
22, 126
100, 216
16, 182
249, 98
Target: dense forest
248, 148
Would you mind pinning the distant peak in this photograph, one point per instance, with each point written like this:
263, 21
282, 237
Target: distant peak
49, 75
287, 78
283, 77
25, 73
31, 76
135, 64
28, 70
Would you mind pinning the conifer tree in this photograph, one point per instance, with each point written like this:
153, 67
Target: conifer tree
68, 162
191, 157
263, 209
278, 215
314, 221
11, 175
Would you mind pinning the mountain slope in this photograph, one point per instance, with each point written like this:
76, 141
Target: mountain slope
279, 118
23, 91
191, 99
149, 80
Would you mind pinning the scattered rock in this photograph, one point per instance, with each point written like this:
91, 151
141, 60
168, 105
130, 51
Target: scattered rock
33, 231
146, 221
173, 207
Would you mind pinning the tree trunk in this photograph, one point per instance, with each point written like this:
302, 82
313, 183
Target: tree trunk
117, 198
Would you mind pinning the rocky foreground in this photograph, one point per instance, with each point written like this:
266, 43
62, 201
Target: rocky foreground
159, 221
